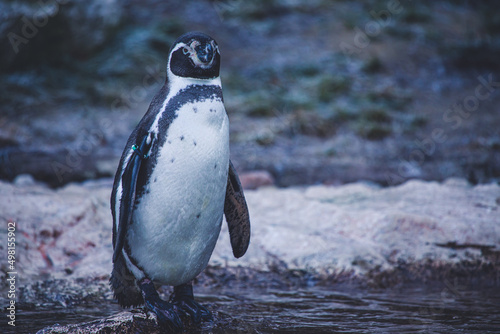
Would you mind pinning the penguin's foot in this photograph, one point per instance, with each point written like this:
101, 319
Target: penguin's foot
183, 299
166, 313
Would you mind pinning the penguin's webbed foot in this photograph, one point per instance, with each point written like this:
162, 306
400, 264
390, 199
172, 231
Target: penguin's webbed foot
183, 299
166, 313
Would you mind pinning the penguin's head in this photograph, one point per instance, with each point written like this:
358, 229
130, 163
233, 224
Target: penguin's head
195, 55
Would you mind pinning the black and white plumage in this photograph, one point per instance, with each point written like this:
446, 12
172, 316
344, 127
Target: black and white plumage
173, 185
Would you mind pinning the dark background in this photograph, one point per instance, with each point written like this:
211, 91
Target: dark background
316, 91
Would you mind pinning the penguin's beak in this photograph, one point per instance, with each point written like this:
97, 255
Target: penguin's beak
205, 52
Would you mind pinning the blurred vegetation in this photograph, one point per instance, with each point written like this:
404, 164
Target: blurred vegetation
314, 96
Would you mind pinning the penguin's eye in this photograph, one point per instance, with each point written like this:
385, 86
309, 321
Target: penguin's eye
185, 51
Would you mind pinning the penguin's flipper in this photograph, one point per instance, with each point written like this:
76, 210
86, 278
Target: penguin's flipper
236, 211
129, 185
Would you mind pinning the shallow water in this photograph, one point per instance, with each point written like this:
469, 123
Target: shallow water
418, 309
408, 310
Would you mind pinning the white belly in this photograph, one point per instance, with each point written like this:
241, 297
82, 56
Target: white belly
177, 222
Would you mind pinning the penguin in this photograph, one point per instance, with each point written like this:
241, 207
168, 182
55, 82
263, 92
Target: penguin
173, 185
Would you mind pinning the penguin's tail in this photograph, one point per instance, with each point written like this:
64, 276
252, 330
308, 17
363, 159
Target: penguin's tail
124, 286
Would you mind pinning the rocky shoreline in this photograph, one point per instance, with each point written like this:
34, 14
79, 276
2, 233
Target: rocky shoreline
321, 235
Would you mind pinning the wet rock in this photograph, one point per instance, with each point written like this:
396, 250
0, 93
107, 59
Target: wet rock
140, 321
125, 322
256, 179
24, 180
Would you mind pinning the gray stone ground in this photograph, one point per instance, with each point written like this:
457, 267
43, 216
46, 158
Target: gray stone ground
325, 230
356, 232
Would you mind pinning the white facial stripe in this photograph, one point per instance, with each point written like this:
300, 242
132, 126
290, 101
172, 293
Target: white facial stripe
119, 191
177, 47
